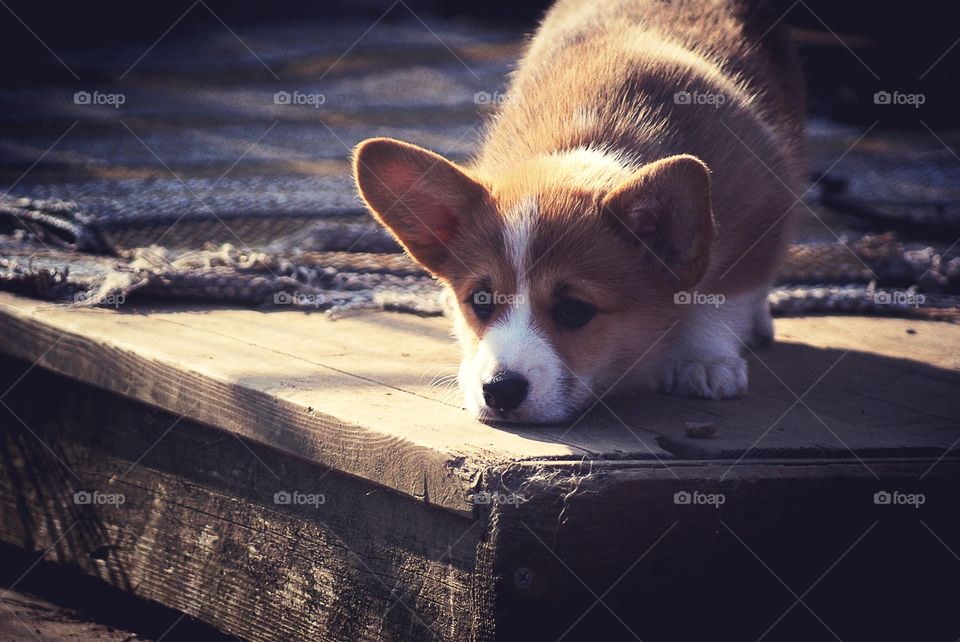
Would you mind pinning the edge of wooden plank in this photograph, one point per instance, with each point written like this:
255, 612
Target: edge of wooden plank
118, 368
389, 440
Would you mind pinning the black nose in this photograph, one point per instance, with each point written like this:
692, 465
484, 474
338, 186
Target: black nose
505, 391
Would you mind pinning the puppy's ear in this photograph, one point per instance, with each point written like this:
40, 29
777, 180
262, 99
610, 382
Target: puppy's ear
421, 197
665, 209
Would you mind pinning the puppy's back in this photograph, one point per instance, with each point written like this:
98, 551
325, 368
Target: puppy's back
606, 75
588, 55
747, 37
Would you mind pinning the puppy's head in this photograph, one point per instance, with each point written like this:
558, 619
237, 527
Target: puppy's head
563, 268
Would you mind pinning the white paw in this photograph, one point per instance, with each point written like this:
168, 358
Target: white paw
721, 378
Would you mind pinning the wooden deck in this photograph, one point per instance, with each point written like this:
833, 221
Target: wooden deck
199, 417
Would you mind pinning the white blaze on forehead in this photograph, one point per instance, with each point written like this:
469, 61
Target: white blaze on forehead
518, 235
507, 343
516, 332
515, 342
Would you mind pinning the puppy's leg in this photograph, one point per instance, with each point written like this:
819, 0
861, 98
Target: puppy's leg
760, 334
705, 358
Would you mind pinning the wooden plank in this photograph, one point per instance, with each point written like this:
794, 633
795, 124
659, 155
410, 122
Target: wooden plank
411, 361
868, 387
193, 522
610, 550
371, 420
372, 372
200, 531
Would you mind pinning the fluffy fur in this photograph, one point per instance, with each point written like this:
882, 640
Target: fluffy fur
648, 156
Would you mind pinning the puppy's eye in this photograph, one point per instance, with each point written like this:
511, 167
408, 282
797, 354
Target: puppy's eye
572, 313
482, 303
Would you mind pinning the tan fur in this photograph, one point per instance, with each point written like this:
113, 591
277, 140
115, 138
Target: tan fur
623, 61
627, 211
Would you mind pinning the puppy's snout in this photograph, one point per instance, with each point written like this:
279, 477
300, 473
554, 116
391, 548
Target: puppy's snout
505, 391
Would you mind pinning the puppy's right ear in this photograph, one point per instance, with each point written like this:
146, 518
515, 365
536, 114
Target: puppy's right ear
666, 208
421, 197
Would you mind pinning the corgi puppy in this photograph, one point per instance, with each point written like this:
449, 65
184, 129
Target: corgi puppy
626, 211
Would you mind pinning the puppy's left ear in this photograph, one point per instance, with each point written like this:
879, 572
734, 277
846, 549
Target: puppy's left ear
665, 209
421, 197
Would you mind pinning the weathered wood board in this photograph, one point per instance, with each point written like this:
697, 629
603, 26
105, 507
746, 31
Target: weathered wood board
351, 394
200, 530
436, 526
355, 393
253, 541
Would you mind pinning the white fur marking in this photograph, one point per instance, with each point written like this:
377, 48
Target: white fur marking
518, 236
705, 361
515, 342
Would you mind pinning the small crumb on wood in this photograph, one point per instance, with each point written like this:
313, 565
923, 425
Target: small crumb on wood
696, 430
911, 331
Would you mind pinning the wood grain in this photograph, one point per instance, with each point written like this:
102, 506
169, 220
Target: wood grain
200, 529
354, 394
376, 421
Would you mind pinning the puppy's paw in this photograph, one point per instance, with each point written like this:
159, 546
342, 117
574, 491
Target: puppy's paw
721, 378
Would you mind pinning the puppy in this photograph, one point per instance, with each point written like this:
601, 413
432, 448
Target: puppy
625, 214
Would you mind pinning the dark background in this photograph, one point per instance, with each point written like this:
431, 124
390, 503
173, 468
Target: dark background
898, 41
